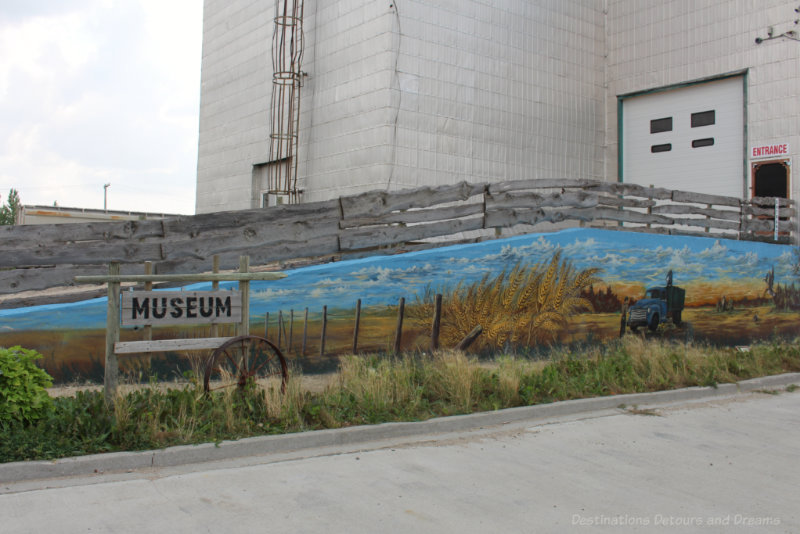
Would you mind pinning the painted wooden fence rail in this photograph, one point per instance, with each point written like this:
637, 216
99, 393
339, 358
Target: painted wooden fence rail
40, 257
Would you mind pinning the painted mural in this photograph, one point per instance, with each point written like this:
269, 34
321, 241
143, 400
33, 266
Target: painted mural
527, 292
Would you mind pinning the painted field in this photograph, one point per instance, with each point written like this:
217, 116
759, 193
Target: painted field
526, 291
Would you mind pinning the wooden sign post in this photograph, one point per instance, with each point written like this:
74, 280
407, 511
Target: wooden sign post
111, 371
156, 308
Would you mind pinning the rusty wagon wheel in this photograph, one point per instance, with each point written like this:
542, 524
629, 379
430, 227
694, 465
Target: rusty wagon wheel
242, 360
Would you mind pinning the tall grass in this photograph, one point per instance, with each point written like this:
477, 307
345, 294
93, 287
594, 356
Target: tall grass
371, 389
455, 379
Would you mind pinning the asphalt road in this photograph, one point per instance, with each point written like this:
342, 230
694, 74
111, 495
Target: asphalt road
717, 465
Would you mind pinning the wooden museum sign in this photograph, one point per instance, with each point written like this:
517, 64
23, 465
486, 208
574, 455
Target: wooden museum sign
156, 308
164, 308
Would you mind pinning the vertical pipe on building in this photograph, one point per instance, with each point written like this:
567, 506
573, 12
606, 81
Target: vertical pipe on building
287, 56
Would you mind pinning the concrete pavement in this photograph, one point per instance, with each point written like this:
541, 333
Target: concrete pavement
700, 463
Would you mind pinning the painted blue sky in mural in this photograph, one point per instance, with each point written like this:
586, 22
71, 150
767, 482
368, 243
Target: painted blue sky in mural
382, 280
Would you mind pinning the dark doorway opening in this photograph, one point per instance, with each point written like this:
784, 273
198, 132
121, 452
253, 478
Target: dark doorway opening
771, 179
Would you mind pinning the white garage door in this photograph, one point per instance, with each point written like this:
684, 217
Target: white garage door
691, 138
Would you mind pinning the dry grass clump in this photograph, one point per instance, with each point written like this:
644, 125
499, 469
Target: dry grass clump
511, 372
286, 404
455, 378
379, 384
662, 365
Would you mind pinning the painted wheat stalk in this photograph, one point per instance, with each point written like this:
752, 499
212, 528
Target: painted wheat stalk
531, 303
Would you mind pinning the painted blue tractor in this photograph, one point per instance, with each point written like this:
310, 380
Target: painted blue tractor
661, 304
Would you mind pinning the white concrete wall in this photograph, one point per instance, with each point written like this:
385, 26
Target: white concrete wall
418, 92
427, 92
236, 73
345, 108
660, 43
346, 112
498, 91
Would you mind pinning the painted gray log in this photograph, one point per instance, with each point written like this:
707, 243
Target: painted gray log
634, 190
542, 183
768, 212
253, 237
43, 277
220, 223
379, 202
402, 248
242, 276
21, 237
38, 278
661, 230
766, 225
770, 201
416, 216
708, 223
577, 199
297, 218
702, 198
686, 209
618, 202
259, 255
715, 235
587, 185
675, 231
783, 239
506, 217
610, 214
55, 298
390, 235
90, 253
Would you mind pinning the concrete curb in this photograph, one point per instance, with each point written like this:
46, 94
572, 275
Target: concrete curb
265, 445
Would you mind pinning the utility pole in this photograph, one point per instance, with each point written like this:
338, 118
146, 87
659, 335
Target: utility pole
105, 197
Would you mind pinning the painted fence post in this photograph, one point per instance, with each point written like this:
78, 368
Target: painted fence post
305, 332
280, 323
355, 328
324, 328
283, 327
437, 318
398, 335
291, 330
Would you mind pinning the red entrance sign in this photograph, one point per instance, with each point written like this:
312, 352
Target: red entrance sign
768, 151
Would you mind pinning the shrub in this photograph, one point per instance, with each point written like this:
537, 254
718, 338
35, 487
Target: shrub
22, 386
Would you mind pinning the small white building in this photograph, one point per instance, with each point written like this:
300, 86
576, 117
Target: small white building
700, 95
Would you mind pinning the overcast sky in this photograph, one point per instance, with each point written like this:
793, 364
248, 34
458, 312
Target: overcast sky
100, 91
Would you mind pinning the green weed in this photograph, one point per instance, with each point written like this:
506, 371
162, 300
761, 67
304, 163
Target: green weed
373, 389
